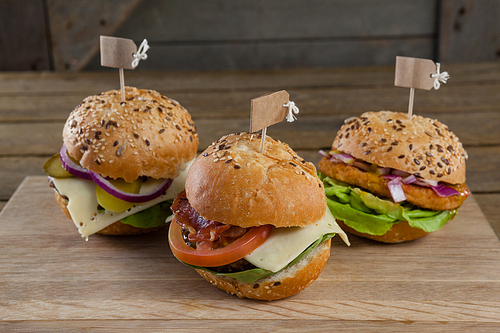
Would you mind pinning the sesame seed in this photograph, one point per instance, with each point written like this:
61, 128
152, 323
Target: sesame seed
401, 156
236, 166
417, 162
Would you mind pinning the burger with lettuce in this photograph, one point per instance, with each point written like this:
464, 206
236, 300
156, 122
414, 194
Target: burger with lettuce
122, 162
253, 224
394, 179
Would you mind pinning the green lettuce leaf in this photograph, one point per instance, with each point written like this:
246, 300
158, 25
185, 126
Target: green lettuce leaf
370, 214
254, 274
151, 217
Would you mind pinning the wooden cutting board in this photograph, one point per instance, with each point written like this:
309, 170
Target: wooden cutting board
52, 280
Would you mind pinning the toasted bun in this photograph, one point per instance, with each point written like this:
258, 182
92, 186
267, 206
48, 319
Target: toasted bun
116, 228
283, 284
233, 183
147, 135
420, 146
400, 232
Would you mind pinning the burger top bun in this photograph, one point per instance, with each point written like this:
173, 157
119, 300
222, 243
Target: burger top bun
233, 183
147, 135
420, 146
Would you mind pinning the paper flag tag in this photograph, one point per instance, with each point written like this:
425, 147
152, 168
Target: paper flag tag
117, 52
414, 73
268, 110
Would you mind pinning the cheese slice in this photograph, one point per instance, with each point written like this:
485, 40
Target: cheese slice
285, 244
82, 204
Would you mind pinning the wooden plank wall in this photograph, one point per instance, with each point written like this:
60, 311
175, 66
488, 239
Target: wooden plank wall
222, 34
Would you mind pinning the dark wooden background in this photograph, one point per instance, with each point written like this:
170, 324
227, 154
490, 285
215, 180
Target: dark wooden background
63, 35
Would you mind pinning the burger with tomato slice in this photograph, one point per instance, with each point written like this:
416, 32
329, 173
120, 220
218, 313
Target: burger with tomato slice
122, 162
253, 224
394, 179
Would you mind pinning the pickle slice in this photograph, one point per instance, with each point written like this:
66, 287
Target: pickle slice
53, 167
113, 204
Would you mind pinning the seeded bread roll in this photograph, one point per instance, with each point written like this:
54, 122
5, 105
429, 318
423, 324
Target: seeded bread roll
420, 146
147, 135
283, 284
233, 183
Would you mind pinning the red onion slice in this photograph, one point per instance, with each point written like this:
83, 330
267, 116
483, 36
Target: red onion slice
347, 159
410, 179
130, 197
445, 191
362, 165
400, 173
430, 182
382, 171
396, 190
72, 167
322, 153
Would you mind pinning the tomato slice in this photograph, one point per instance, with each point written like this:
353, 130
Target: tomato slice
208, 257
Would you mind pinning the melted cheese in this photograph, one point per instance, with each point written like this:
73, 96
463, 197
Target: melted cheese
285, 244
82, 204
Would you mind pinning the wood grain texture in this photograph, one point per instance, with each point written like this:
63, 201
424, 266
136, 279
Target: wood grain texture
489, 204
76, 25
280, 54
446, 281
23, 36
244, 325
222, 20
469, 30
455, 100
86, 83
222, 34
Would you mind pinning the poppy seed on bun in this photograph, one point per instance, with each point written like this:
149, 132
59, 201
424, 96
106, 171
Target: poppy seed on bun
416, 166
418, 145
146, 135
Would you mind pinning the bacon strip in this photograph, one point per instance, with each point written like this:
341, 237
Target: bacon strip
202, 230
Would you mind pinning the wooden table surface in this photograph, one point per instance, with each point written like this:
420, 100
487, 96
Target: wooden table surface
34, 106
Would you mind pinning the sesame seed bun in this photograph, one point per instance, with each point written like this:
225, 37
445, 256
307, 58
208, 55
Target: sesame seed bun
283, 284
419, 145
147, 135
233, 183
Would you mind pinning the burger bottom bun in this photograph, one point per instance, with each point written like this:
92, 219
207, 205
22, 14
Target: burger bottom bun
283, 284
117, 229
400, 232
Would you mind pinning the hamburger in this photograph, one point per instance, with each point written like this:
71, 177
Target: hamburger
253, 224
394, 179
122, 162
